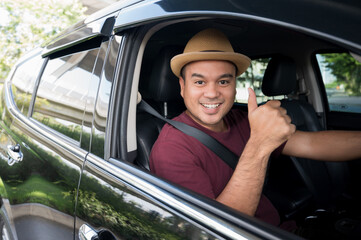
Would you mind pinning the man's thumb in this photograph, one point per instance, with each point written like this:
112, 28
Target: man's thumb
252, 100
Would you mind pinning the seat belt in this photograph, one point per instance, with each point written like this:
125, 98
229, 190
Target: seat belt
230, 158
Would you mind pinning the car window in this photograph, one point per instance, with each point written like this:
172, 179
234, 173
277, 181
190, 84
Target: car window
341, 75
62, 93
92, 86
253, 78
103, 99
23, 81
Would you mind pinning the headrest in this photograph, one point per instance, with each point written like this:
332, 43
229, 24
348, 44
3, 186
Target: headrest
163, 85
280, 77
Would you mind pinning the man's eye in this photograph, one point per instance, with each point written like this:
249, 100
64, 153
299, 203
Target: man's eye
223, 82
199, 82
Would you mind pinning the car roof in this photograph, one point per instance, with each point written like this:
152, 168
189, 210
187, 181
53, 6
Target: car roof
336, 21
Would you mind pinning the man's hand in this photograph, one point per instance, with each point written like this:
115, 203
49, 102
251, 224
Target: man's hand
270, 127
270, 124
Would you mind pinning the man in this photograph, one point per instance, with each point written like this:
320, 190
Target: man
207, 72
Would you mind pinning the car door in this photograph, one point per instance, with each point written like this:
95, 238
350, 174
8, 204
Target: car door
44, 148
116, 199
109, 205
18, 90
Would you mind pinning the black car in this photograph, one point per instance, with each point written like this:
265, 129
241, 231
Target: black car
74, 147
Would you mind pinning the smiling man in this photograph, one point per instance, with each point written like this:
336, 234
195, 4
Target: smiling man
207, 71
209, 95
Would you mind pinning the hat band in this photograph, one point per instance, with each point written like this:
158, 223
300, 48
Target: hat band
211, 51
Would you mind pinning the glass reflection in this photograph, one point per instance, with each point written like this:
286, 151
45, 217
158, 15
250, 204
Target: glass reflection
106, 202
102, 104
44, 176
62, 93
92, 95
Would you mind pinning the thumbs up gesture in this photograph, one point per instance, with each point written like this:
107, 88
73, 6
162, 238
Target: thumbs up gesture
270, 124
252, 101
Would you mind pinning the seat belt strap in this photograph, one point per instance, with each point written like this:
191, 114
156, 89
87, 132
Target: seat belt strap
230, 158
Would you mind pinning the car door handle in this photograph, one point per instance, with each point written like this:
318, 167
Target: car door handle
14, 153
87, 233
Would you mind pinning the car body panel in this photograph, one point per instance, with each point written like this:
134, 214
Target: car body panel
112, 206
37, 194
41, 188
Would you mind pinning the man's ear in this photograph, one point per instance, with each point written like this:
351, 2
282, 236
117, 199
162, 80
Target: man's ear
181, 84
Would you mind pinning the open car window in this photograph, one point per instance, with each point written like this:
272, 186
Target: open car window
341, 75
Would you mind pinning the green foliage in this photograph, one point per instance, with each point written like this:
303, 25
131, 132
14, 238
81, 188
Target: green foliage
27, 24
347, 71
39, 190
332, 85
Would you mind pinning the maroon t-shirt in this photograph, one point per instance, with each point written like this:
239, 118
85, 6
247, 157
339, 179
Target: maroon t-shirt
182, 159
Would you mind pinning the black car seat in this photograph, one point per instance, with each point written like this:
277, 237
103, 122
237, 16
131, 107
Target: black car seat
326, 181
162, 91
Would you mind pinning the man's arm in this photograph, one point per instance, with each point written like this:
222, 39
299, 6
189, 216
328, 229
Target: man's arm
270, 127
243, 191
325, 145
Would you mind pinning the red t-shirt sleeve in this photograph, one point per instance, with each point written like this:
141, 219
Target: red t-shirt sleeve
173, 161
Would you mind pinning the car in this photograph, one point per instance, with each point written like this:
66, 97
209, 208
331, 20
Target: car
74, 146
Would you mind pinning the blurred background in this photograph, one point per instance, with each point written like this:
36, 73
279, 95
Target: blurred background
27, 24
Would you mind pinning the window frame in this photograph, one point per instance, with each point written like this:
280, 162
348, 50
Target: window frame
90, 44
24, 60
121, 158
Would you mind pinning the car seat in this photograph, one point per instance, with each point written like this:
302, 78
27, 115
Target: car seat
327, 181
162, 91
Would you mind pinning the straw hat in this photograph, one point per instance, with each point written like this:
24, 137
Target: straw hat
209, 44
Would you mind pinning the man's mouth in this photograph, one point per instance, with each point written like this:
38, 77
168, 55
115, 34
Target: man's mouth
211, 106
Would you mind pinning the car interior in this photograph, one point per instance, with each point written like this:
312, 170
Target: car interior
305, 190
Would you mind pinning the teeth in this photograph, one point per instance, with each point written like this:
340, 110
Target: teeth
211, 105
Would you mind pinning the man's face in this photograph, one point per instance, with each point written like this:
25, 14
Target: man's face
208, 90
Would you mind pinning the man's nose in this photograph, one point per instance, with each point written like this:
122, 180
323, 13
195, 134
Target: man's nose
211, 91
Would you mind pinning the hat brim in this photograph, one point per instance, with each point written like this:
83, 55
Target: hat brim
241, 61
